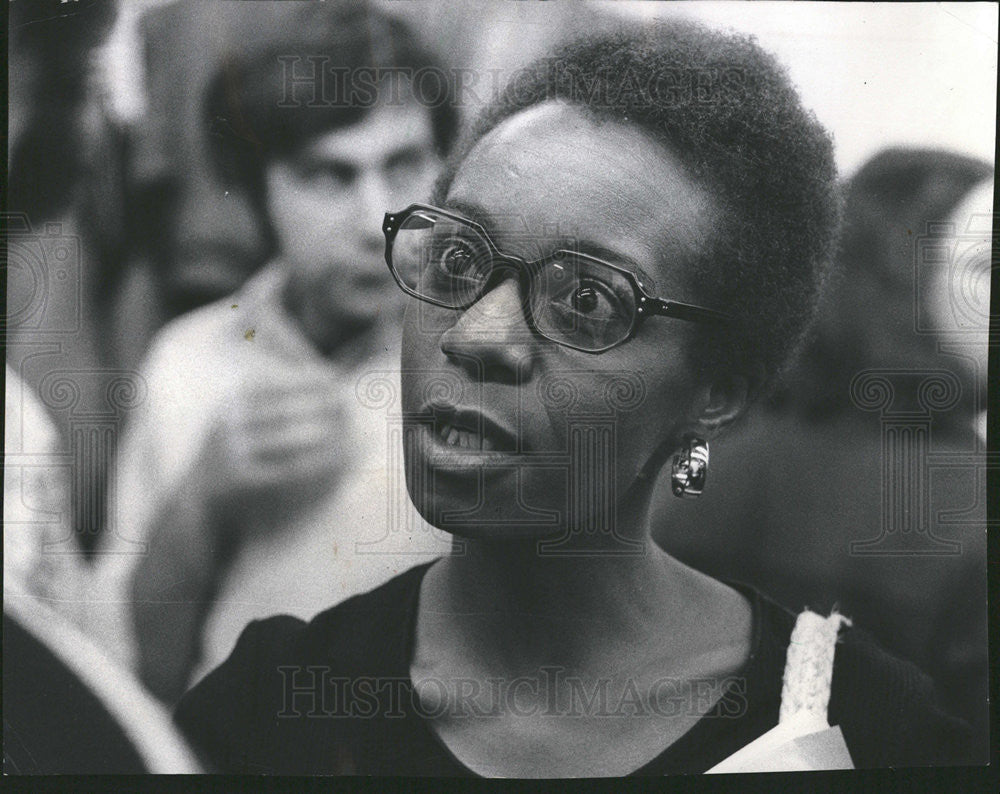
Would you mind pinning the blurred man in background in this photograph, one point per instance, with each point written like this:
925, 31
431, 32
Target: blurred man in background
252, 464
188, 240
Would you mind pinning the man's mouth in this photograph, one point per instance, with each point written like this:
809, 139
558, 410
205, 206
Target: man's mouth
372, 281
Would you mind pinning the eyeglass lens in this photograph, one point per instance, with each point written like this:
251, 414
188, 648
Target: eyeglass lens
573, 300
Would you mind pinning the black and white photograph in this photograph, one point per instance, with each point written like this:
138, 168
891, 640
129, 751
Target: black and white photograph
499, 389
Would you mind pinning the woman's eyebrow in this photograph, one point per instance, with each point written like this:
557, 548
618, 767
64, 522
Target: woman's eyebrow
470, 211
476, 213
609, 255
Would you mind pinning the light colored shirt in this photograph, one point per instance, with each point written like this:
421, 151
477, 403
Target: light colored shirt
41, 558
360, 534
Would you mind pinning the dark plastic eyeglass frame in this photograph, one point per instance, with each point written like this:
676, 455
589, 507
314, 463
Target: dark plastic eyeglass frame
646, 305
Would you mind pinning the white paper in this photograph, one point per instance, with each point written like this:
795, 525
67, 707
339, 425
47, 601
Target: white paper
804, 742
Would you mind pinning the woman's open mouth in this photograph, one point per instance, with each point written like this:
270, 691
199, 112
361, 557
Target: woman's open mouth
465, 439
472, 431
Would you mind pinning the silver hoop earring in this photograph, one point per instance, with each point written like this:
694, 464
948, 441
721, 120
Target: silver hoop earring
690, 468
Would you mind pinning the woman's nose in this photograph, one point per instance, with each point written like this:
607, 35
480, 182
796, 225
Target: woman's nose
491, 338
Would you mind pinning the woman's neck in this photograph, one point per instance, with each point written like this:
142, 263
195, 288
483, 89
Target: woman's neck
545, 647
507, 609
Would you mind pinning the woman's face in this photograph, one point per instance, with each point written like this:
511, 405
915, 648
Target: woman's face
512, 435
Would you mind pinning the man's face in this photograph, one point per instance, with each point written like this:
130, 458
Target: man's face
326, 202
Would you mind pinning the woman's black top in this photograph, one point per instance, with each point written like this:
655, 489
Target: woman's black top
334, 696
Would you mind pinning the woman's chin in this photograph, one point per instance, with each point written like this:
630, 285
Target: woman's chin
499, 532
465, 517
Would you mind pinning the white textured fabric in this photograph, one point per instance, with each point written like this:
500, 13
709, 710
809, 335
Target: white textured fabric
809, 665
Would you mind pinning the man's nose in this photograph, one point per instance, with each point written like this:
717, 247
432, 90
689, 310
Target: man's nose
491, 338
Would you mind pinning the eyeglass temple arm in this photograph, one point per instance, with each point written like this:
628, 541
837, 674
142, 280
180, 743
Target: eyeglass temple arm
685, 311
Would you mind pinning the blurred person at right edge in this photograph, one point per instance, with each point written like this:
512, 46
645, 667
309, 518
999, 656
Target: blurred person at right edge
254, 462
816, 486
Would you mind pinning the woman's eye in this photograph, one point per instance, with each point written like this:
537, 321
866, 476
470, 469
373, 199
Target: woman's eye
456, 258
593, 299
586, 299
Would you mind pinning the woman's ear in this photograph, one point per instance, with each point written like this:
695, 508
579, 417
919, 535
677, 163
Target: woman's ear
724, 400
716, 406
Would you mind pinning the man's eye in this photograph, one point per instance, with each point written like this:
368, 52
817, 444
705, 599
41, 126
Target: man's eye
336, 174
405, 166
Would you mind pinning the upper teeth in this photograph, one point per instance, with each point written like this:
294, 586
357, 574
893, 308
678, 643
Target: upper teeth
460, 437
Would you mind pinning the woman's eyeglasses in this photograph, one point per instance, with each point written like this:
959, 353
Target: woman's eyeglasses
573, 299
